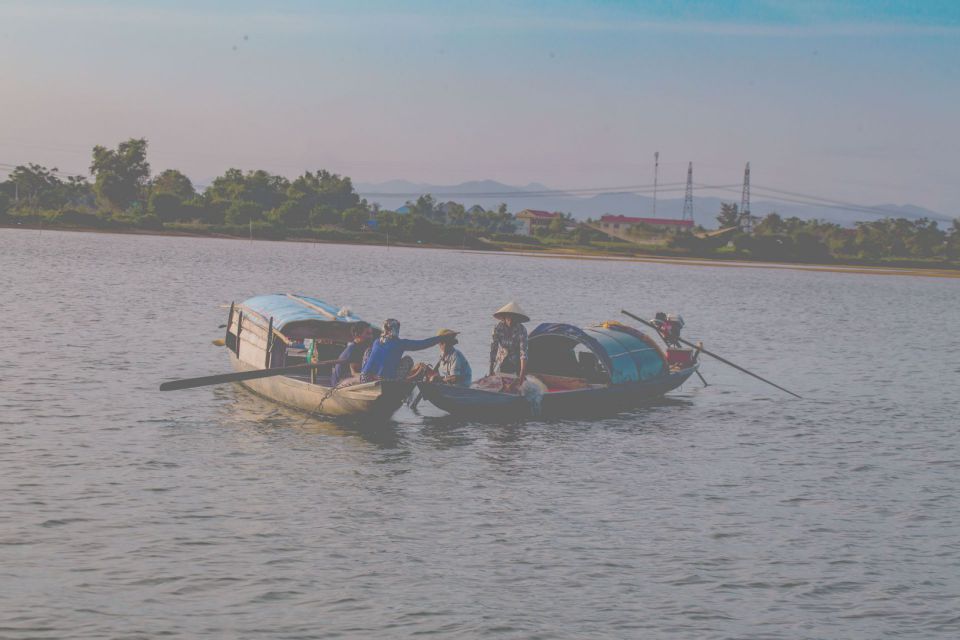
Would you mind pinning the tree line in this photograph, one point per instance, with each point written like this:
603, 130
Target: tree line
324, 205
793, 239
124, 192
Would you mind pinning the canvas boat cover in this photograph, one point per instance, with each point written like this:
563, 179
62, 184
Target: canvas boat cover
298, 316
624, 352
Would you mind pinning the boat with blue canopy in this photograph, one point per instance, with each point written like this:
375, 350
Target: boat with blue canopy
575, 371
284, 330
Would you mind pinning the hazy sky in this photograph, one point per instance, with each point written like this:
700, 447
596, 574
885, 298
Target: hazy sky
844, 99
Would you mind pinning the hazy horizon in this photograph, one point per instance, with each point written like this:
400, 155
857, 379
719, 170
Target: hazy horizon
851, 100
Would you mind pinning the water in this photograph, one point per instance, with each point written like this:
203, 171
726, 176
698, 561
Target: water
730, 511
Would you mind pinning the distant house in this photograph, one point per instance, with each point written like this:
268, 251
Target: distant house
530, 219
403, 209
625, 223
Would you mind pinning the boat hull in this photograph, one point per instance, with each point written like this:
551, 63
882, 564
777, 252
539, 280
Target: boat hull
593, 401
375, 400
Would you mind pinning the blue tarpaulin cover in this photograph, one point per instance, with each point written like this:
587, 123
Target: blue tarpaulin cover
626, 356
297, 315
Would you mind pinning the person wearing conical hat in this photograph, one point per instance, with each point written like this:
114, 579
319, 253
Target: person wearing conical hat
453, 367
508, 347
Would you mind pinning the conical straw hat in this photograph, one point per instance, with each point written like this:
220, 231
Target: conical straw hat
514, 309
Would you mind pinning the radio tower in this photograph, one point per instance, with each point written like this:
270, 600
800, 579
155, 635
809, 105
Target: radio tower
688, 198
656, 170
746, 222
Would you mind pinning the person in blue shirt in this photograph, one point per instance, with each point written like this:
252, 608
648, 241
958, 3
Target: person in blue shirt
384, 359
353, 354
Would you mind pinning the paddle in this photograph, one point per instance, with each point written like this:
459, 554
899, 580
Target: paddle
713, 355
419, 396
203, 381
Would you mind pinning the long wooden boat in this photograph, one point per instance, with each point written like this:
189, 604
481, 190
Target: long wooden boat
270, 331
593, 370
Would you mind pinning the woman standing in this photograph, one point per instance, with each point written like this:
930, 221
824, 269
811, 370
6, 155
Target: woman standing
508, 347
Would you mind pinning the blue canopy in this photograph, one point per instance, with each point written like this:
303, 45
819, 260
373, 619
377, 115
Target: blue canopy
624, 352
298, 316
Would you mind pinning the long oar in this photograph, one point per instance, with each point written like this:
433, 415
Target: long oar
713, 355
203, 381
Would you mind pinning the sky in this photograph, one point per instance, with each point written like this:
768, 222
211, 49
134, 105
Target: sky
843, 99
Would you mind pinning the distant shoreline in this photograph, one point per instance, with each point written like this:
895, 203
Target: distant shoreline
944, 271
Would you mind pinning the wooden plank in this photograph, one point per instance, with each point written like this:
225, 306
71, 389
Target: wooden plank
310, 305
239, 329
258, 328
251, 353
250, 326
226, 336
254, 341
266, 360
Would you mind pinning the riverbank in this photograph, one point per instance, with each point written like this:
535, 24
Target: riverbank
546, 252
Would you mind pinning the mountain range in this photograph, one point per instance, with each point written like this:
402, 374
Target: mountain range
490, 193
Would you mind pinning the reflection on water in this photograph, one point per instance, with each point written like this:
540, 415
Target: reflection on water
241, 408
718, 512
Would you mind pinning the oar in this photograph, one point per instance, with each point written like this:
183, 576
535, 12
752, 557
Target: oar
419, 397
203, 381
713, 355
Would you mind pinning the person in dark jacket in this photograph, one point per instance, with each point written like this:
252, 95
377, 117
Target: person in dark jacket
353, 354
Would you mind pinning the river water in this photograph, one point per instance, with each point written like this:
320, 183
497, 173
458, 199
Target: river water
727, 511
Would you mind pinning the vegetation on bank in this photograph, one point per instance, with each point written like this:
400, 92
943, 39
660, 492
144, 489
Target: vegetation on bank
796, 240
125, 195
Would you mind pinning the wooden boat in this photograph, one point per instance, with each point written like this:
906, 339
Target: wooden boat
269, 331
584, 371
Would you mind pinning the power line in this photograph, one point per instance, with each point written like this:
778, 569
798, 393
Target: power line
813, 201
587, 191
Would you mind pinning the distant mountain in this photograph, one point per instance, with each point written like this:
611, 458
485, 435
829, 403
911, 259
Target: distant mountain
490, 193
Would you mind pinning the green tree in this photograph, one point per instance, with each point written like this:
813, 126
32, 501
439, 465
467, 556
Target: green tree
771, 224
952, 244
355, 218
266, 190
927, 239
729, 215
324, 214
424, 206
121, 174
557, 227
175, 183
36, 186
168, 207
291, 214
243, 212
456, 214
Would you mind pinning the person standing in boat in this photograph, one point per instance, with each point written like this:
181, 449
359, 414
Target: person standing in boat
384, 360
669, 327
453, 367
508, 347
352, 356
